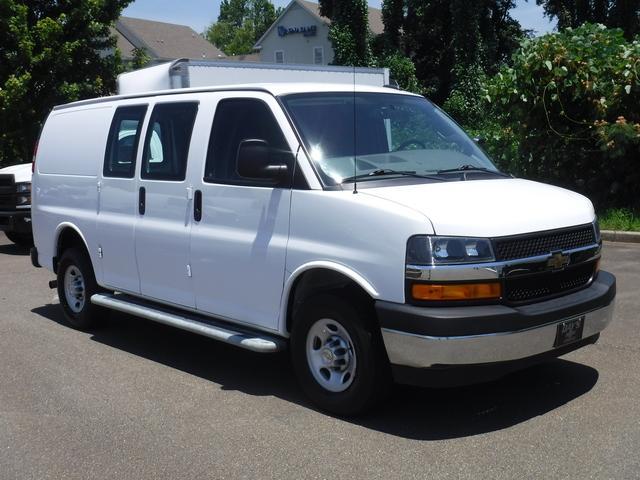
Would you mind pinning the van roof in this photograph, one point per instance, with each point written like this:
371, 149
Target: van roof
275, 89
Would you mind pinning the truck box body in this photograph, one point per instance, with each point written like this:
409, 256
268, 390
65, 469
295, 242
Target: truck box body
192, 74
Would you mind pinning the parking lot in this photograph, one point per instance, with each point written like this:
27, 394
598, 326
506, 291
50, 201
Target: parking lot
140, 400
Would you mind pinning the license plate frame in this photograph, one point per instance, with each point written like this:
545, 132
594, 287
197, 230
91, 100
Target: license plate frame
569, 331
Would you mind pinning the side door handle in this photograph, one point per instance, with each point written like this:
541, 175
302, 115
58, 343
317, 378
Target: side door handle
142, 200
197, 206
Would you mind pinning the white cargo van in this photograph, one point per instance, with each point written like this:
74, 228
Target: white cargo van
357, 226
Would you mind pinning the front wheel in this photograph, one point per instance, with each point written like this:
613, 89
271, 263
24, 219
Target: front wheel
20, 239
76, 285
338, 357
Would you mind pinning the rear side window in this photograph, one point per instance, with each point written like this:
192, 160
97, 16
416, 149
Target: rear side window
122, 145
239, 119
166, 146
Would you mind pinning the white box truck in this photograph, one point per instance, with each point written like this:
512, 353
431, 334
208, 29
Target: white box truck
184, 73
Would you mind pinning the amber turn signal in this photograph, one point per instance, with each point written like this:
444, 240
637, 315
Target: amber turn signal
456, 291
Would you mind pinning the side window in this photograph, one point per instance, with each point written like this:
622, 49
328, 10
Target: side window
166, 146
122, 145
239, 119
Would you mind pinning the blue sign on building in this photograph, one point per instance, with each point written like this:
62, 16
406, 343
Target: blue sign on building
308, 31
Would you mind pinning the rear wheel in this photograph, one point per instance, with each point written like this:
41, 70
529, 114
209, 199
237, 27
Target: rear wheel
76, 285
338, 357
20, 239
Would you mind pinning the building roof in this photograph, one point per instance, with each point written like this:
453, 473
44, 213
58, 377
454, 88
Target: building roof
376, 25
163, 41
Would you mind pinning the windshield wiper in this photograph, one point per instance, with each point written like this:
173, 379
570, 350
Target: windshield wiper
388, 171
473, 168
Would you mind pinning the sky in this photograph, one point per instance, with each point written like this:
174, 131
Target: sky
198, 14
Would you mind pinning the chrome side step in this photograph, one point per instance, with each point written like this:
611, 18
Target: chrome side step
257, 342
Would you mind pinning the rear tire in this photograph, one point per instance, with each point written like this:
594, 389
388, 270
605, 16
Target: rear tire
20, 239
338, 356
76, 285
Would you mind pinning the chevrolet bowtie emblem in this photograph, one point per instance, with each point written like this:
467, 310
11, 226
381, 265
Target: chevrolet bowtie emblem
558, 261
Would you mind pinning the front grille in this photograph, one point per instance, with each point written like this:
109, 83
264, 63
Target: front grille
7, 192
544, 284
6, 180
532, 245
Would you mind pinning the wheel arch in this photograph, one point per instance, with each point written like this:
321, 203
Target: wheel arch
318, 276
67, 235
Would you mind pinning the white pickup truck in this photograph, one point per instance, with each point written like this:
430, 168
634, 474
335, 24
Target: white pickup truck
357, 226
15, 203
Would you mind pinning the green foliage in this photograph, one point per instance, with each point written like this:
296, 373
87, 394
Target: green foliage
240, 25
443, 37
51, 52
465, 104
571, 102
624, 14
402, 70
621, 219
349, 31
141, 59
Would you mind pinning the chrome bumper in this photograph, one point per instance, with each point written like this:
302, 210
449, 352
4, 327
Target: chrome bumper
423, 351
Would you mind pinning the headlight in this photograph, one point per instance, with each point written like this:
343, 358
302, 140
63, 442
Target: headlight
23, 200
23, 187
435, 250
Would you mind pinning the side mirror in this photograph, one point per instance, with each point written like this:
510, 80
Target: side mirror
254, 161
480, 141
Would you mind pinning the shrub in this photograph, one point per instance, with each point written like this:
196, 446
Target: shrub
570, 100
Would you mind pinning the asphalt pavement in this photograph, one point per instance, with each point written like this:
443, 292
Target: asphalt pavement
140, 400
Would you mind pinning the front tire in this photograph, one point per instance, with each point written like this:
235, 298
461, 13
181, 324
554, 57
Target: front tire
20, 239
76, 285
338, 357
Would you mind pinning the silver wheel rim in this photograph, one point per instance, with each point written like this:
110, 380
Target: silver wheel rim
74, 290
330, 355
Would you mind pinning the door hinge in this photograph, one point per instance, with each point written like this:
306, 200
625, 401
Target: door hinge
189, 193
188, 270
100, 252
99, 186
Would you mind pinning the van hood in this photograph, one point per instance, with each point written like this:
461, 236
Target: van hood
491, 208
21, 172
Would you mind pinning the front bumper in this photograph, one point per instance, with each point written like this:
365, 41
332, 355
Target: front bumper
446, 338
18, 221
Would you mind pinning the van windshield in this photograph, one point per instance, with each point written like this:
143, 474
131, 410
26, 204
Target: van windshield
391, 133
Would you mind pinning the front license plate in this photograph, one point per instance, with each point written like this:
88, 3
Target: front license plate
569, 331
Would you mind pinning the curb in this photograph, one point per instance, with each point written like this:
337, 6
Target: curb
617, 236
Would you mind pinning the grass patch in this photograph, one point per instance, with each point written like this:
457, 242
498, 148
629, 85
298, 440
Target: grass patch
621, 219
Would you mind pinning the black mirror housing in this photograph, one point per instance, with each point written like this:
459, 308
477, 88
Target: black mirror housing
253, 160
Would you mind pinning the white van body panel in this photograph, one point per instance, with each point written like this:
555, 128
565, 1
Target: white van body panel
365, 234
70, 153
491, 208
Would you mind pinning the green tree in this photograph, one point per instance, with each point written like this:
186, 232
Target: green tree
624, 14
51, 52
569, 105
446, 38
240, 25
349, 31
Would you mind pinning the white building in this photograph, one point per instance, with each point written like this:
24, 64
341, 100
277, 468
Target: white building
300, 35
